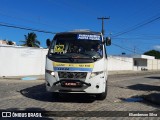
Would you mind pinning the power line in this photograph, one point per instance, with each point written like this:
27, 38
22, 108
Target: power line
29, 21
130, 50
137, 26
157, 17
141, 38
138, 12
25, 28
122, 47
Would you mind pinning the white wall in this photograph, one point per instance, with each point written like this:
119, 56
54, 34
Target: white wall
153, 64
18, 61
120, 63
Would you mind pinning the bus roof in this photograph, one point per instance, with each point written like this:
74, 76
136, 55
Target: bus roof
79, 35
79, 32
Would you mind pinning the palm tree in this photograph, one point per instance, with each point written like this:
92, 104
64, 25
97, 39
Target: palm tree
31, 40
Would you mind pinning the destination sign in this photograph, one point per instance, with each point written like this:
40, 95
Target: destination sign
88, 37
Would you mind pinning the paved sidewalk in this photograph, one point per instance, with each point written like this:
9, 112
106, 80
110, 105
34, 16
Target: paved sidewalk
130, 72
111, 73
36, 77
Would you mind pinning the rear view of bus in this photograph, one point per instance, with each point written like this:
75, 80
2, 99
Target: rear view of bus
77, 63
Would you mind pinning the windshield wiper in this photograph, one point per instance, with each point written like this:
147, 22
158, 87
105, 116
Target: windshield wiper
95, 58
59, 56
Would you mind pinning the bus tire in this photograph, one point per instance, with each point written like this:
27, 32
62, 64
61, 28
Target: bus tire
55, 95
103, 95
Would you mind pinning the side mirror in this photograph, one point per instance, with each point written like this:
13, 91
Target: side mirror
48, 43
108, 41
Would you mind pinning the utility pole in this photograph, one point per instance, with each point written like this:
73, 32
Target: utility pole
103, 18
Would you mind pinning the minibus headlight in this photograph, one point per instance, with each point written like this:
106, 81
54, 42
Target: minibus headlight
50, 72
93, 74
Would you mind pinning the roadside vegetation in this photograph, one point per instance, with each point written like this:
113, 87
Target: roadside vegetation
31, 40
154, 53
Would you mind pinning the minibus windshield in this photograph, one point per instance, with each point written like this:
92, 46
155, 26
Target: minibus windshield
76, 49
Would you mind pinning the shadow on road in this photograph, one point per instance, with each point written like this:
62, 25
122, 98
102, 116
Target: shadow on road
152, 98
24, 112
154, 77
144, 87
39, 92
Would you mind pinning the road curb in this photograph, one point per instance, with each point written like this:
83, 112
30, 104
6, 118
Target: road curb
111, 73
124, 73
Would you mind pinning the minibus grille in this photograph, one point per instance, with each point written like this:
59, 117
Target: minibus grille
81, 75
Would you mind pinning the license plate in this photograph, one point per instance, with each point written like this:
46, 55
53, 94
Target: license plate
71, 84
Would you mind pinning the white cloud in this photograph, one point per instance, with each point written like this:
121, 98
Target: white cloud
157, 47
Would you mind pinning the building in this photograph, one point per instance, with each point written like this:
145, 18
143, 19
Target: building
3, 42
141, 62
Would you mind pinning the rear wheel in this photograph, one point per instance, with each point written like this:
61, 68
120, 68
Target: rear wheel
103, 95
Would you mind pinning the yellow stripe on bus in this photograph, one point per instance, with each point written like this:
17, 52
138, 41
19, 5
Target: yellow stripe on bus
82, 65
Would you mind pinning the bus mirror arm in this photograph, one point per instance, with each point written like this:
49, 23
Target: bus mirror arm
48, 43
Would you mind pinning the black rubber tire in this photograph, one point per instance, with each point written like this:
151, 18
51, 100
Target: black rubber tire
55, 95
103, 95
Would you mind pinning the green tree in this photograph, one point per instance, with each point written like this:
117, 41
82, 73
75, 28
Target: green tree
31, 40
154, 53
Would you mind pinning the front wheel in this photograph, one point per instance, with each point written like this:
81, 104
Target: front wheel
103, 95
55, 95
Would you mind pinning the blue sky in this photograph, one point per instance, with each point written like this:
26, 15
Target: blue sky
66, 15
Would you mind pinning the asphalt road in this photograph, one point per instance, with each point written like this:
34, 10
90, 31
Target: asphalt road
16, 94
